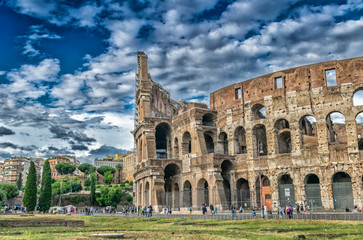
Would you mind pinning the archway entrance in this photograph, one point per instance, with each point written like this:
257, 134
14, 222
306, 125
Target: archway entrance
171, 187
266, 192
187, 194
286, 191
312, 190
243, 193
203, 192
342, 191
227, 167
147, 196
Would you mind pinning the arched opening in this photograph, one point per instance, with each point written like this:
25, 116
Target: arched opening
286, 191
308, 134
265, 194
171, 178
240, 145
336, 131
147, 194
208, 120
187, 143
358, 98
223, 143
209, 143
227, 168
162, 140
258, 112
359, 126
312, 190
139, 200
259, 140
176, 148
203, 192
342, 191
282, 136
187, 194
243, 193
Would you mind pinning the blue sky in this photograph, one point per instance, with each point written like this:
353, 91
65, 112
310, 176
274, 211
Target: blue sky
67, 68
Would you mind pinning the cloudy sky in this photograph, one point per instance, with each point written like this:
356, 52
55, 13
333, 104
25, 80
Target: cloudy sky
67, 68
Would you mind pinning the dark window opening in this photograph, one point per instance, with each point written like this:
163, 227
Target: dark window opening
240, 141
258, 112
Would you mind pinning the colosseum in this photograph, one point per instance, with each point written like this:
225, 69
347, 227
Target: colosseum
288, 137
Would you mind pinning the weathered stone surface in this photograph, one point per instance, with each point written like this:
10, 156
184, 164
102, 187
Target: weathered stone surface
286, 131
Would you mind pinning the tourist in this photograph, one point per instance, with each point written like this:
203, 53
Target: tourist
302, 208
347, 208
253, 213
308, 209
165, 211
281, 211
265, 211
240, 209
297, 208
211, 207
169, 210
190, 211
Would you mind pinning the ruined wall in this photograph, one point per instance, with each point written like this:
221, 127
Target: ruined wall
215, 154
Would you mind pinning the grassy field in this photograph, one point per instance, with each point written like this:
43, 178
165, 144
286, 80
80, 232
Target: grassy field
161, 228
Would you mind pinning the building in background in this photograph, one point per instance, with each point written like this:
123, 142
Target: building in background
1, 171
53, 161
16, 165
110, 161
128, 166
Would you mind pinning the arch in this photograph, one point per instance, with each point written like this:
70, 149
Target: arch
336, 131
223, 143
308, 131
312, 190
342, 190
203, 192
258, 112
208, 120
171, 177
265, 194
359, 127
187, 194
187, 143
227, 167
282, 136
209, 142
147, 194
259, 140
358, 97
162, 140
240, 146
243, 193
286, 191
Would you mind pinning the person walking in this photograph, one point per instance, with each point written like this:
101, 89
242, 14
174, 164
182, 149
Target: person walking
190, 211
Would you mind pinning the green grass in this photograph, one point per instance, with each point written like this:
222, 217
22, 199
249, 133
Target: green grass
162, 228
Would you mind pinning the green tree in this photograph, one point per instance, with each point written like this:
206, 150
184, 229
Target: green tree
19, 183
87, 168
2, 197
119, 167
64, 168
45, 198
10, 190
109, 196
93, 188
129, 198
103, 169
87, 182
108, 178
30, 193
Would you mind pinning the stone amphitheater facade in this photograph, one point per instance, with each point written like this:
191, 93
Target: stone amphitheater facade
287, 137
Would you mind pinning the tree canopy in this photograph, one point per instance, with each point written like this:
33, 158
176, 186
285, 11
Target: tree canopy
103, 169
64, 168
45, 198
110, 196
87, 168
93, 188
10, 190
30, 192
19, 183
108, 178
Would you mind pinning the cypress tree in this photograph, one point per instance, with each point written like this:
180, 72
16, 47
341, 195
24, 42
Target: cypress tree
30, 192
19, 183
93, 188
45, 198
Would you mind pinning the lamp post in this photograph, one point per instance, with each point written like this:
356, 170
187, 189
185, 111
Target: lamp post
259, 174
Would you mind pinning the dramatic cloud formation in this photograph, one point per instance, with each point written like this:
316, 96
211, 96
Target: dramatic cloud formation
67, 85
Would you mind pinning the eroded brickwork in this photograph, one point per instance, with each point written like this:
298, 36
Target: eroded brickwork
302, 135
